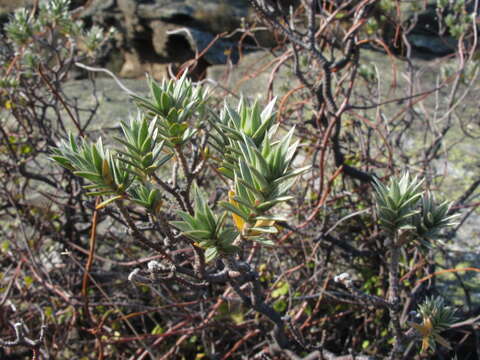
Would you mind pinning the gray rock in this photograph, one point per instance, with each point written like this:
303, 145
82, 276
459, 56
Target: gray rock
154, 31
433, 45
429, 35
425, 37
219, 53
202, 12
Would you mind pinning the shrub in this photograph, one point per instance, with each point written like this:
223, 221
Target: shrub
234, 219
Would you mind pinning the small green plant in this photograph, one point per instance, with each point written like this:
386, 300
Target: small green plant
407, 212
403, 205
435, 317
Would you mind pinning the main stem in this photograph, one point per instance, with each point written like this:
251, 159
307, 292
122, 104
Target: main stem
188, 176
394, 299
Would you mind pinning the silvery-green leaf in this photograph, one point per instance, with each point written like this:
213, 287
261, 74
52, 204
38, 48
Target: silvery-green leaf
234, 209
210, 254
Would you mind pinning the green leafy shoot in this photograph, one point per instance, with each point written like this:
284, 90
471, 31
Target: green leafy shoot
206, 229
435, 318
142, 148
107, 174
146, 196
20, 28
173, 103
433, 217
397, 202
259, 166
246, 121
56, 14
264, 176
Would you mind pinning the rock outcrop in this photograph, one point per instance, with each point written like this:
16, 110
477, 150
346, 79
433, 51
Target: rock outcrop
153, 33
